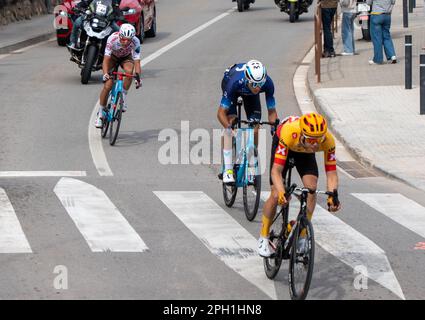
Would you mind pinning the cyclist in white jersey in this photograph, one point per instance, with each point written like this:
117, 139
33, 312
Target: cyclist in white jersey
122, 49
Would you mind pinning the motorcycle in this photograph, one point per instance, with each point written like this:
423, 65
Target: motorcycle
294, 8
97, 21
363, 14
243, 4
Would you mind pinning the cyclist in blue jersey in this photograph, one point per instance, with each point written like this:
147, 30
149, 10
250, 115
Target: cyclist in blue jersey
245, 80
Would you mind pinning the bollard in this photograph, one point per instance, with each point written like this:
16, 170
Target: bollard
410, 6
422, 83
405, 17
408, 62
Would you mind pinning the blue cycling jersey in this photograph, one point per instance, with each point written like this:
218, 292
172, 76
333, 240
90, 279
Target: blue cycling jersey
235, 85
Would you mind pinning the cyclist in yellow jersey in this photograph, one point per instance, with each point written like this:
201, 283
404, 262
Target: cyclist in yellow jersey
299, 138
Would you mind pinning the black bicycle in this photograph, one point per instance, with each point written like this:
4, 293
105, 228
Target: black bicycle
284, 237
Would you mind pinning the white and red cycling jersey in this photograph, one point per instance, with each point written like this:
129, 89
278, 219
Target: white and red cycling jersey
114, 47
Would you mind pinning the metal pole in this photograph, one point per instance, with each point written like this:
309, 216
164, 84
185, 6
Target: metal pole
405, 16
422, 83
408, 62
410, 6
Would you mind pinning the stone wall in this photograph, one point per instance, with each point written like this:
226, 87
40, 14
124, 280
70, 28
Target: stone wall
15, 10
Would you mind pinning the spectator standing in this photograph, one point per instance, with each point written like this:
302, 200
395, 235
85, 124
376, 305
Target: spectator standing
380, 24
348, 8
328, 8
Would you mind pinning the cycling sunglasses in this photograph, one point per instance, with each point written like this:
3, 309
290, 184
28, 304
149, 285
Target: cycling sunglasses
257, 84
313, 140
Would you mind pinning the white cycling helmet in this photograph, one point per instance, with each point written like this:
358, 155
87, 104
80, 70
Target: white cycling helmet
127, 31
255, 73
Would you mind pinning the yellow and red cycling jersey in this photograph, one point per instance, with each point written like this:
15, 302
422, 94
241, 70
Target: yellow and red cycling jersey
289, 133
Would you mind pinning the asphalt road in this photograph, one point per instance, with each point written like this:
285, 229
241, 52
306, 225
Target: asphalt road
175, 251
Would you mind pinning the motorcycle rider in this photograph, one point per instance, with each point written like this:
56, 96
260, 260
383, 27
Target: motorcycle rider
78, 23
122, 49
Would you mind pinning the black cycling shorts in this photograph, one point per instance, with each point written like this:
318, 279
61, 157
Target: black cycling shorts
120, 61
304, 162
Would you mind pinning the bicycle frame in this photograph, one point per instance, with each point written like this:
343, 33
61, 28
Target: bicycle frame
242, 152
116, 88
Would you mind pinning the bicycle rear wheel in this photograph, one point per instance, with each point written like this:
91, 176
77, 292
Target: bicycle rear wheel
301, 264
252, 190
116, 121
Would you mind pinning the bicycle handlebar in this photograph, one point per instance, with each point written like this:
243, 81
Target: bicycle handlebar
123, 74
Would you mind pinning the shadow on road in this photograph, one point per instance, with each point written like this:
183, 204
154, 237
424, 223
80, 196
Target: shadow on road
132, 138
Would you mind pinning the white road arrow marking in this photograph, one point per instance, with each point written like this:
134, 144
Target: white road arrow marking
221, 234
99, 221
12, 238
350, 247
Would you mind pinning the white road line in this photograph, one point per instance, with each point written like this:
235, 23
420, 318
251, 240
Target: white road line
17, 174
221, 234
351, 247
397, 207
95, 141
12, 238
96, 147
96, 217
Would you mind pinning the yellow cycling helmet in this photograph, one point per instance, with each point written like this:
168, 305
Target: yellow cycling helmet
313, 125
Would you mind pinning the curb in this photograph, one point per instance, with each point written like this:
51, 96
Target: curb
25, 43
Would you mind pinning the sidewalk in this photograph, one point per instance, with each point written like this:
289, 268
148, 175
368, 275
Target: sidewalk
24, 33
368, 107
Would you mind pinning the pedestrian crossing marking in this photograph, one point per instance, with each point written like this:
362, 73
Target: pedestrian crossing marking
96, 217
349, 246
220, 233
12, 237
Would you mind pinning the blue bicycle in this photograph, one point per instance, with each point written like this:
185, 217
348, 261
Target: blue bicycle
112, 116
245, 168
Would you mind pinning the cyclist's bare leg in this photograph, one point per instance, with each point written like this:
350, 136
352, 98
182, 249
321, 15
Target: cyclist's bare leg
107, 86
269, 211
128, 68
310, 181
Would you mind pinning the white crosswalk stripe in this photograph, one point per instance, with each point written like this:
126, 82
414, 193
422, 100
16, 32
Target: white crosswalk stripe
351, 247
221, 234
397, 207
99, 221
12, 238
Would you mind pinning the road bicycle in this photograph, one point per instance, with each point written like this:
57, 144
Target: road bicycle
284, 238
245, 168
113, 114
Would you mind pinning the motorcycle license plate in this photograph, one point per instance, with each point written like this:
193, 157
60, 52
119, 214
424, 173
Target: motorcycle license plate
362, 7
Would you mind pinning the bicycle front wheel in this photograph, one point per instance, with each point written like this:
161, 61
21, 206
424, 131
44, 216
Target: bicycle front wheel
252, 187
301, 262
116, 121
